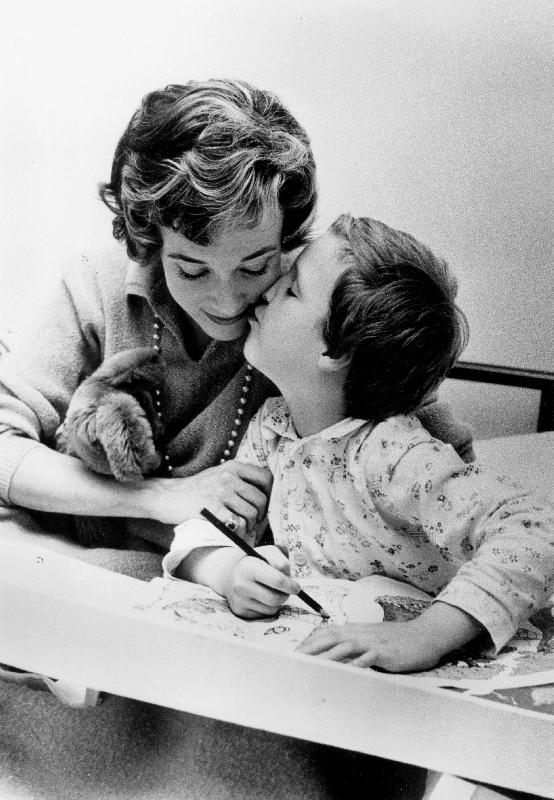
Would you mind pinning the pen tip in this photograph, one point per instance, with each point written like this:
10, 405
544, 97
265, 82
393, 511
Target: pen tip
324, 614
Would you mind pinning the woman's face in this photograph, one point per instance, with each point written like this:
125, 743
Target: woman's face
216, 284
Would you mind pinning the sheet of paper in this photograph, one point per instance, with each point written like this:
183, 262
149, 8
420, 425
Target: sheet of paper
193, 606
527, 660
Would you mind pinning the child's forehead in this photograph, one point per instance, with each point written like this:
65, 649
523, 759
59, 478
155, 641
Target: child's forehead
322, 255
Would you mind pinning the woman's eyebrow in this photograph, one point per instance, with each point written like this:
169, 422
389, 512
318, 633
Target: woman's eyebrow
261, 252
188, 259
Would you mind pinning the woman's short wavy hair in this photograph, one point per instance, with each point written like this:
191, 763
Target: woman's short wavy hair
206, 154
393, 315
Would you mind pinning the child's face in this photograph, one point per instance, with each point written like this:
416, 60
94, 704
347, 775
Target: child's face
286, 334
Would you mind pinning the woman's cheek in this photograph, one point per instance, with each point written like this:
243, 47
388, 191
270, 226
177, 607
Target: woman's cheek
288, 259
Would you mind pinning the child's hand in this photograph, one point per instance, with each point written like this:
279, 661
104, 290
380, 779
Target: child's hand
392, 646
256, 589
395, 646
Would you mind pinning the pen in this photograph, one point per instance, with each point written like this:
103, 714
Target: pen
250, 551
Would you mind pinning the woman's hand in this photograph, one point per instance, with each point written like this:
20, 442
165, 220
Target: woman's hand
256, 589
230, 488
395, 646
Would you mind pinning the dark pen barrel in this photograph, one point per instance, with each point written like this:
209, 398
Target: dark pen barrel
250, 551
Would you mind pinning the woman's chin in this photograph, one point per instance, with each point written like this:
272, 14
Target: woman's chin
228, 333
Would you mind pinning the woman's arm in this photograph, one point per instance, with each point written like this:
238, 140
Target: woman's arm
46, 480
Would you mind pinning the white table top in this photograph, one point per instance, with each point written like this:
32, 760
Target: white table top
72, 620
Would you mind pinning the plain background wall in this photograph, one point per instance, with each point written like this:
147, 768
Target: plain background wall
435, 117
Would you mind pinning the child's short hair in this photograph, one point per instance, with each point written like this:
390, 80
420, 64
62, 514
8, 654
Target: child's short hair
205, 154
392, 314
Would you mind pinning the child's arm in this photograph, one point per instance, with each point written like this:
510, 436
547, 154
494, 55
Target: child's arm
396, 646
499, 537
201, 554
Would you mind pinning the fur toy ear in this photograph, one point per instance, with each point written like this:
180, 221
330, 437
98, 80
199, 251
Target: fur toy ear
113, 437
111, 422
126, 437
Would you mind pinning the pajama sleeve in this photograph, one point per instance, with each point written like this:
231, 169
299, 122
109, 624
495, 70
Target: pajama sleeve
500, 536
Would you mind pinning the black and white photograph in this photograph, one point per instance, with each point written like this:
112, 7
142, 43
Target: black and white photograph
277, 400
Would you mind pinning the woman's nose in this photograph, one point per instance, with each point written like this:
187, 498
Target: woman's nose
229, 299
269, 294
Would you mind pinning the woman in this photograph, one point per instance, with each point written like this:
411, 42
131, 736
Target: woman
212, 182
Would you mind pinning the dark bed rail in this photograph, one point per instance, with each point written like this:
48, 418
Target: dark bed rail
510, 376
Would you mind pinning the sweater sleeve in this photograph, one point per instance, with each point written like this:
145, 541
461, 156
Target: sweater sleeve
437, 418
501, 535
46, 363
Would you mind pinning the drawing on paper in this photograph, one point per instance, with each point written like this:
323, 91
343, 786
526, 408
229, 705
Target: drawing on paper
199, 608
527, 659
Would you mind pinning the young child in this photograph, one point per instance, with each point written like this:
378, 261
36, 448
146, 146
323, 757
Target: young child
356, 336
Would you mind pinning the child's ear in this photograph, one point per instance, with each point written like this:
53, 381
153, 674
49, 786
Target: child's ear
329, 364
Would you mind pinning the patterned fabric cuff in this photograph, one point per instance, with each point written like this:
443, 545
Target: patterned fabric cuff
483, 607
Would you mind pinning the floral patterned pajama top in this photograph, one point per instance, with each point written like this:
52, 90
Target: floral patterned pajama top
354, 500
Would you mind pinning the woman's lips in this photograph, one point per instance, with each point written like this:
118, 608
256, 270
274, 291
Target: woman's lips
227, 320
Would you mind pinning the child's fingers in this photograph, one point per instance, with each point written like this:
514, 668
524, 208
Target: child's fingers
344, 651
321, 640
272, 598
259, 608
268, 576
275, 557
255, 601
367, 659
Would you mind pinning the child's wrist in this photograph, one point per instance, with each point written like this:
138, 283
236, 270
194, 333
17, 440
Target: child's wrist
447, 627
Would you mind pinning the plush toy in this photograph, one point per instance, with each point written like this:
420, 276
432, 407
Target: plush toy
111, 423
112, 426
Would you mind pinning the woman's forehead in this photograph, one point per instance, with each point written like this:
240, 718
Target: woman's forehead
236, 241
266, 227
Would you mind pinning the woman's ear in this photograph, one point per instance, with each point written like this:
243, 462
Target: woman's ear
327, 363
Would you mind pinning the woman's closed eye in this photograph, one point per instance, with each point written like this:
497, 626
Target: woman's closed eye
190, 276
255, 272
250, 273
